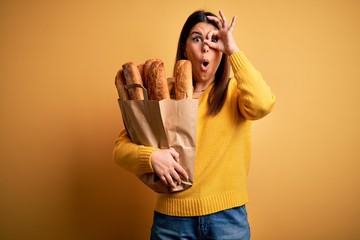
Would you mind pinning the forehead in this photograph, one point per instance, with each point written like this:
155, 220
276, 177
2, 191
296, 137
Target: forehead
202, 28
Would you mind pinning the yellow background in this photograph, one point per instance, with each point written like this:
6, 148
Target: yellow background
59, 115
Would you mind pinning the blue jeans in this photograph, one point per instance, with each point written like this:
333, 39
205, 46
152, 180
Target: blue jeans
228, 224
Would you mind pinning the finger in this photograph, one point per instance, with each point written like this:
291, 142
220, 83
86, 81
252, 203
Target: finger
170, 181
224, 20
212, 39
216, 20
211, 34
211, 44
232, 25
174, 154
180, 170
175, 176
163, 179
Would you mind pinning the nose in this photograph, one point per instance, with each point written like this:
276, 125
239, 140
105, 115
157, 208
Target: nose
205, 48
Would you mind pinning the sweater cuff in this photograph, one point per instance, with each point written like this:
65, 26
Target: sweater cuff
144, 165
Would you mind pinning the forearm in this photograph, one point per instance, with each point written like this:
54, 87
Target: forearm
132, 157
255, 98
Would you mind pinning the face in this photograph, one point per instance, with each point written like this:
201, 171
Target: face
205, 60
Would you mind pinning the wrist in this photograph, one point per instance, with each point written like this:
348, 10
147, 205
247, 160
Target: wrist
232, 51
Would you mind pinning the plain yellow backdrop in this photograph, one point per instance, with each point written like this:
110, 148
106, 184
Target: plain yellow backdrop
59, 115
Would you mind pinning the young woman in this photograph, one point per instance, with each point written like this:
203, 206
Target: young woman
214, 207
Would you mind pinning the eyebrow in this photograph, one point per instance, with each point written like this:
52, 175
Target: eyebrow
195, 32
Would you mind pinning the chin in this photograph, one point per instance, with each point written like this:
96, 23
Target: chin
208, 78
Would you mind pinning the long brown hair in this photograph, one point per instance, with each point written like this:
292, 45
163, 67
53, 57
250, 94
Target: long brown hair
218, 93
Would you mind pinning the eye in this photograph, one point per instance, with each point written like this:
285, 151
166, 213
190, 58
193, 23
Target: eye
214, 39
196, 39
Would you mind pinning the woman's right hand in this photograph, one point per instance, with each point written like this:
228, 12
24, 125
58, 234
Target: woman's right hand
165, 163
225, 40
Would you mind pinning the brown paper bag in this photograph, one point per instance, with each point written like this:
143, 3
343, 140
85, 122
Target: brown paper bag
163, 124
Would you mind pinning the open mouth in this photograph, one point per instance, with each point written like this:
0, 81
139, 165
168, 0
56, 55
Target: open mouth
205, 64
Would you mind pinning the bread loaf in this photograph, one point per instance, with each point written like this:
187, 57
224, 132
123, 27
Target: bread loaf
141, 70
183, 80
146, 73
132, 75
151, 75
157, 84
120, 82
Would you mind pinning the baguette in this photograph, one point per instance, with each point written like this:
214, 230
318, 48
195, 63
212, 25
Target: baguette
146, 73
141, 70
132, 75
157, 85
183, 80
120, 82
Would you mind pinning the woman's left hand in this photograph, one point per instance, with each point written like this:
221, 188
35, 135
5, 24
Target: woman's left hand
222, 39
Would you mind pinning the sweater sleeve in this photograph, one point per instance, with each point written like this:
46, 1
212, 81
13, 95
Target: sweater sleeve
255, 98
132, 157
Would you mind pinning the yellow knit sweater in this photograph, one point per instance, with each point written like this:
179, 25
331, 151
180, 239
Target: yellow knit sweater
223, 147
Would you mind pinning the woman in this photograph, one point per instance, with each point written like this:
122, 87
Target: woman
214, 207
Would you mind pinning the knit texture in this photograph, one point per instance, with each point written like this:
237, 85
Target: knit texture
222, 147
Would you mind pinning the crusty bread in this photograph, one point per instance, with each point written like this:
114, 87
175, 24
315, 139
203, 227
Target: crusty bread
183, 80
132, 75
141, 70
120, 82
157, 84
151, 75
146, 73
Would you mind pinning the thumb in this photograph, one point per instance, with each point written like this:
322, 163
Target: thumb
211, 44
212, 39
